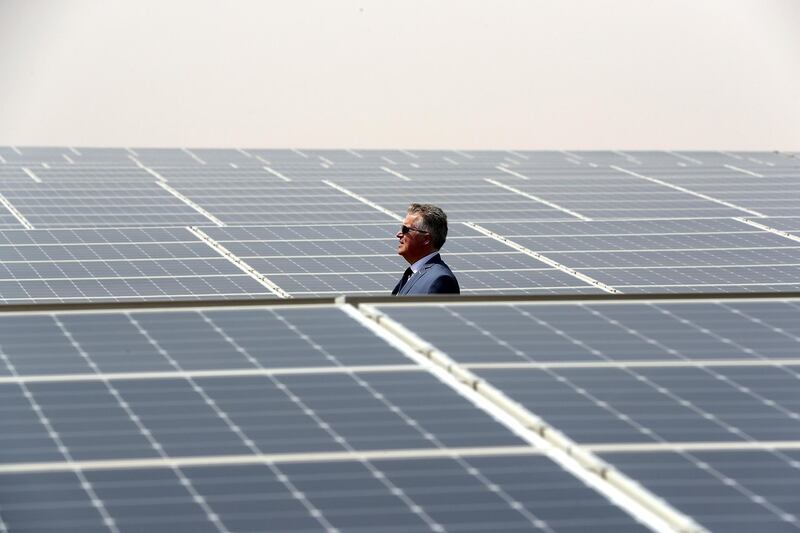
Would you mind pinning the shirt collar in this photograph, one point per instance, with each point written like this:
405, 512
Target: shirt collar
418, 265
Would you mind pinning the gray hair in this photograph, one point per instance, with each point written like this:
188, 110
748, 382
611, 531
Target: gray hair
433, 220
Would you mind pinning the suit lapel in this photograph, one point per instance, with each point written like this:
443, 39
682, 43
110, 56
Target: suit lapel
422, 271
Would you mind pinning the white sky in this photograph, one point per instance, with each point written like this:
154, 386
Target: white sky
532, 74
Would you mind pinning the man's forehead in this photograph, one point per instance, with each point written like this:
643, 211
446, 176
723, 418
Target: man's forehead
411, 218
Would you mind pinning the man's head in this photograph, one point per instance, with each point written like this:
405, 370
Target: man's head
424, 231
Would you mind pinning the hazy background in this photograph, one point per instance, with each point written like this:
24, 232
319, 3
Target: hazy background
567, 74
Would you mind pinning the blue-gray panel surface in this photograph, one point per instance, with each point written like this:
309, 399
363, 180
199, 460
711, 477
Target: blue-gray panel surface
608, 332
229, 339
678, 256
270, 200
605, 405
482, 493
117, 265
468, 200
98, 203
734, 491
217, 416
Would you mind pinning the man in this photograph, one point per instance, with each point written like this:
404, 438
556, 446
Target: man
422, 235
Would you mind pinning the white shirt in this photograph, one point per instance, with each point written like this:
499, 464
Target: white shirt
418, 265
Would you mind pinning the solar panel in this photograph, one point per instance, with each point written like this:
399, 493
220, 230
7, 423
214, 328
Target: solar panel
116, 265
727, 490
654, 256
611, 193
777, 194
690, 398
209, 419
483, 493
98, 203
265, 200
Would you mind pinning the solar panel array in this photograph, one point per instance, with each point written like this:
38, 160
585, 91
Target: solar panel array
322, 222
562, 416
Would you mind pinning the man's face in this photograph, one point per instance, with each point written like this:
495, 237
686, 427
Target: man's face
413, 245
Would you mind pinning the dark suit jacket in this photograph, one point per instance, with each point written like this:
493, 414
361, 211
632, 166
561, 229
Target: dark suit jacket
435, 277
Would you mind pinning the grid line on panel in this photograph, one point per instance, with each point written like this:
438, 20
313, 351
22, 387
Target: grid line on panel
684, 157
769, 229
14, 211
744, 171
395, 173
97, 503
173, 462
768, 445
518, 154
670, 267
511, 173
721, 377
363, 200
30, 173
542, 258
537, 199
275, 172
688, 191
239, 263
186, 374
507, 498
190, 203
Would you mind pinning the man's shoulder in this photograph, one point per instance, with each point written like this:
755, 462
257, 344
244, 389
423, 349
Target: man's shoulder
440, 278
436, 263
439, 268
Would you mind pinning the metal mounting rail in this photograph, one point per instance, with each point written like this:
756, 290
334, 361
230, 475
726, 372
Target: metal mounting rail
376, 300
